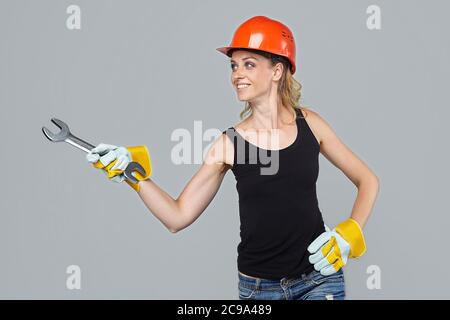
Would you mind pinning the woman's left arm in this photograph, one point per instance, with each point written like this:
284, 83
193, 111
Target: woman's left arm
354, 168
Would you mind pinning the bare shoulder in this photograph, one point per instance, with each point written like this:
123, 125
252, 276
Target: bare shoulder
242, 126
221, 151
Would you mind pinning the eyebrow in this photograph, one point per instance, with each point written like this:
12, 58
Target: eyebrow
245, 59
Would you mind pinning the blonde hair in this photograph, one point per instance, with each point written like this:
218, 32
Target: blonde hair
289, 89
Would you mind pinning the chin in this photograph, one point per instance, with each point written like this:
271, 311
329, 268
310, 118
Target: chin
242, 97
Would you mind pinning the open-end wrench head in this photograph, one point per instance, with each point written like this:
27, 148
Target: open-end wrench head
61, 135
131, 167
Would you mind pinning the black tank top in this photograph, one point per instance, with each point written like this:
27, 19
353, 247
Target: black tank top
278, 208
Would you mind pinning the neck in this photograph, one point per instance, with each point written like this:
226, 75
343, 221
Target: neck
271, 116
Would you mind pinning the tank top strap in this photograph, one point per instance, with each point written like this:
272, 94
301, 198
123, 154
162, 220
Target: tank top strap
232, 134
298, 121
305, 130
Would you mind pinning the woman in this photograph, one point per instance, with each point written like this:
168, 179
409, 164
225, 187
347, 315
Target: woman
286, 251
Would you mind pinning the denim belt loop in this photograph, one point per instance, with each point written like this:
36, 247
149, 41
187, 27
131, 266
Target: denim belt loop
258, 283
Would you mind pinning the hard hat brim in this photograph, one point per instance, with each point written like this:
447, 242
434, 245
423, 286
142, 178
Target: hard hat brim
225, 50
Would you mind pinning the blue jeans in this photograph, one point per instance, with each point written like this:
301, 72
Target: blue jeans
312, 286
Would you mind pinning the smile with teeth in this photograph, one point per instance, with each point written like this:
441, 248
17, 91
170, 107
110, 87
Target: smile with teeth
242, 86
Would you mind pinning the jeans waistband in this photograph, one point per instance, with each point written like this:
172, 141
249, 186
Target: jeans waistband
258, 282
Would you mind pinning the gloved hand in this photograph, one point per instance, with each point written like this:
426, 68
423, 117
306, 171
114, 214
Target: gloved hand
331, 250
113, 160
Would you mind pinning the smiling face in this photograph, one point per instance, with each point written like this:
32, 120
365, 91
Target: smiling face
252, 75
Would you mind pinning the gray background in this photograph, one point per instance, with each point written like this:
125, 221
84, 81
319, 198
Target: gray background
138, 70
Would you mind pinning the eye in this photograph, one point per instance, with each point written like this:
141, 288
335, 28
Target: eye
247, 64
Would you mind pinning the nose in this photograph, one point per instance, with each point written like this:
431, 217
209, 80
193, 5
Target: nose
238, 74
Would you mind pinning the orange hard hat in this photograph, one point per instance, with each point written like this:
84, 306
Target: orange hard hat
264, 34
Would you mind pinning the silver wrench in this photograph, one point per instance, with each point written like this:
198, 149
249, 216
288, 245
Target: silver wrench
66, 136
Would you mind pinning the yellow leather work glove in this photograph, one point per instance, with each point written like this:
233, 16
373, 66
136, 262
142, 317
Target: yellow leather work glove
113, 160
331, 250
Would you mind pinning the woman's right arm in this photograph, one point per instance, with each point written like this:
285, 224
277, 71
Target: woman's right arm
177, 214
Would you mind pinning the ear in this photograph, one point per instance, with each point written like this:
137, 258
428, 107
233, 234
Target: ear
278, 71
